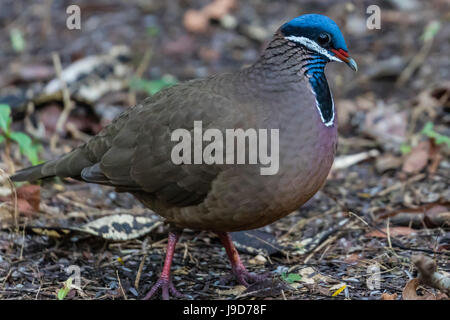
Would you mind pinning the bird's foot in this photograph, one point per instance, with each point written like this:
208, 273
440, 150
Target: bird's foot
246, 278
167, 288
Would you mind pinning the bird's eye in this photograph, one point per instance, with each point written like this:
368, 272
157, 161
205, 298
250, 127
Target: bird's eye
324, 39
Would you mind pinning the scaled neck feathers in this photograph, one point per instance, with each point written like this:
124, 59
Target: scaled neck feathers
283, 62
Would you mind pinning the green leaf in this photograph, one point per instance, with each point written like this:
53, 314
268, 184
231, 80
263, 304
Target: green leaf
2, 139
62, 293
33, 155
153, 31
431, 30
152, 86
26, 146
291, 277
405, 148
5, 118
22, 139
428, 130
17, 40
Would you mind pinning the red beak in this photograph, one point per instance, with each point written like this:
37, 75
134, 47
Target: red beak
343, 55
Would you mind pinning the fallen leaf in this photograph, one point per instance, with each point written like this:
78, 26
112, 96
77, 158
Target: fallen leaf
387, 125
395, 231
410, 291
219, 8
32, 194
28, 199
311, 276
353, 258
181, 271
237, 290
388, 296
198, 20
430, 215
259, 259
417, 159
387, 162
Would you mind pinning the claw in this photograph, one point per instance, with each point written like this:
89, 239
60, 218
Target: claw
167, 287
246, 278
164, 282
238, 268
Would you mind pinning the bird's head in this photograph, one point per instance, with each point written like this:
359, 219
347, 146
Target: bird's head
319, 34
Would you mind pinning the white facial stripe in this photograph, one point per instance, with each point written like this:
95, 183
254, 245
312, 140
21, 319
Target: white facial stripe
313, 46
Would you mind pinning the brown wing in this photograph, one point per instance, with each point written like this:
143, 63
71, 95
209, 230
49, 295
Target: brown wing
134, 154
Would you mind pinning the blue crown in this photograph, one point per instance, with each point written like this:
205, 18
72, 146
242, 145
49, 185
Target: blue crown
311, 25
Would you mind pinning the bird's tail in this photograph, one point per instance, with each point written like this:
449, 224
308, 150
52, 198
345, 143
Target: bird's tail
30, 174
69, 165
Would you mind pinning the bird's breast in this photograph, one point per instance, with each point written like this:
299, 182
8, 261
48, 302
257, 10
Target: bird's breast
307, 148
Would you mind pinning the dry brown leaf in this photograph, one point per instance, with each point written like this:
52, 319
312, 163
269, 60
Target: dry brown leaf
259, 259
387, 162
28, 199
417, 159
430, 215
219, 8
235, 291
386, 125
32, 194
198, 20
388, 296
428, 274
410, 293
353, 258
395, 231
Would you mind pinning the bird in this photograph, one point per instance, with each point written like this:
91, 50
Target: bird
284, 90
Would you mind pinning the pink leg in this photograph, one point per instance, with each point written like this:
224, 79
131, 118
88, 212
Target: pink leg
164, 282
238, 268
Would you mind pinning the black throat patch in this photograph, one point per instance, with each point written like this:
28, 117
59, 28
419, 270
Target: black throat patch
314, 70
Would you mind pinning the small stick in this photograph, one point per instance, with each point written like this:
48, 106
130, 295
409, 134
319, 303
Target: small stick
120, 286
141, 267
68, 105
388, 232
138, 74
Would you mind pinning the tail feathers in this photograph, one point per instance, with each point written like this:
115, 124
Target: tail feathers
29, 174
69, 165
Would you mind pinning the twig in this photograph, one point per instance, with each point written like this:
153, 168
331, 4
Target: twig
388, 232
346, 161
138, 74
415, 63
15, 212
139, 273
399, 185
23, 241
322, 238
7, 156
37, 132
120, 285
68, 105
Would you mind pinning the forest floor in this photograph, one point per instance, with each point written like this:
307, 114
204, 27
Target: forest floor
386, 199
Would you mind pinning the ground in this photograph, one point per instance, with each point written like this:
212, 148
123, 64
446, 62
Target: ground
386, 199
